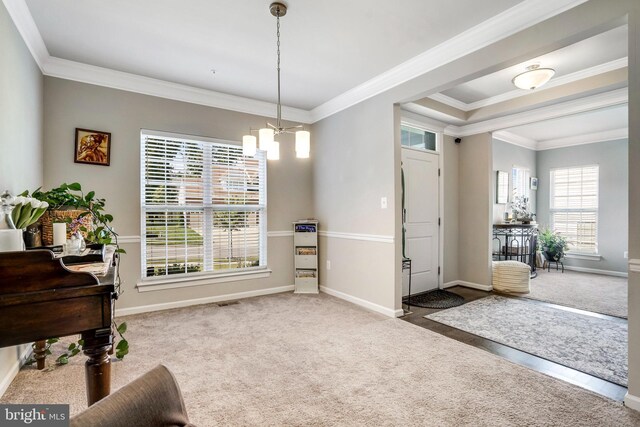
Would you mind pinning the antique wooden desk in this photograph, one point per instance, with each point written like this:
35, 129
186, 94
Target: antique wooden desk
40, 299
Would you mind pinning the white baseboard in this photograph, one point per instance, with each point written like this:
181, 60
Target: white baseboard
471, 285
197, 301
363, 303
632, 402
15, 368
596, 271
450, 284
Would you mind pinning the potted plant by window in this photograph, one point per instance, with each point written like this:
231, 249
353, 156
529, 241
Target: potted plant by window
552, 244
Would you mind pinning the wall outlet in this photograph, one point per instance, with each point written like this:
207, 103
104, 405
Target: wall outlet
626, 255
383, 203
328, 265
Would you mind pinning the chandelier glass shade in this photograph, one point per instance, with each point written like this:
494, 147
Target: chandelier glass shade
266, 135
534, 77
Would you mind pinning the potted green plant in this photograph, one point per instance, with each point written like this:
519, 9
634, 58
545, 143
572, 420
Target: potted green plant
552, 244
97, 229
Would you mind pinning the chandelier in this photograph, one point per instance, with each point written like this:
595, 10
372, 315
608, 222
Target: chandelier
534, 77
266, 135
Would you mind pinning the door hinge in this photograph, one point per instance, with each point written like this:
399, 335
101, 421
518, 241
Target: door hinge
438, 171
438, 222
438, 270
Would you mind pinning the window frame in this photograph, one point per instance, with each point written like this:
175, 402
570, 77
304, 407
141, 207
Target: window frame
413, 125
207, 209
595, 210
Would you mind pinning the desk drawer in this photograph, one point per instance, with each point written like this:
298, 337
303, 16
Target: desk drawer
59, 318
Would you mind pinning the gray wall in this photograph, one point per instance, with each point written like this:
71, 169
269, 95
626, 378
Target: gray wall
613, 204
505, 157
353, 169
20, 132
475, 209
68, 105
451, 183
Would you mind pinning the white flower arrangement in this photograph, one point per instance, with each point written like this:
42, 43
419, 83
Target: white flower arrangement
27, 211
520, 206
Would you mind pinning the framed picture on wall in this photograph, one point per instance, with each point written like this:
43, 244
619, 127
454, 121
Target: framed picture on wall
534, 183
92, 147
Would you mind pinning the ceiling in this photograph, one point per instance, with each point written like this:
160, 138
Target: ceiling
584, 102
595, 51
603, 124
328, 47
334, 54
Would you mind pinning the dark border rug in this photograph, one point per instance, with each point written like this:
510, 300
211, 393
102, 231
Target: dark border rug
436, 299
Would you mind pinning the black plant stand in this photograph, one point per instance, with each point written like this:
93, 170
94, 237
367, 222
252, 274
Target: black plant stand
516, 242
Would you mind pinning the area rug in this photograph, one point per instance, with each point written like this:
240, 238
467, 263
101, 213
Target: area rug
314, 360
591, 292
589, 344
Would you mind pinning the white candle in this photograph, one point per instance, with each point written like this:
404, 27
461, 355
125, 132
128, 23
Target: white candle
59, 233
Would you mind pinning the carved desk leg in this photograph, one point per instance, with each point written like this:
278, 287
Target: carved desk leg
98, 365
40, 354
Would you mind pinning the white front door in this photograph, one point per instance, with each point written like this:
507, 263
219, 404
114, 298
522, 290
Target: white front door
421, 204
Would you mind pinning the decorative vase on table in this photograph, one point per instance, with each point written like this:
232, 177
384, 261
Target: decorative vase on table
20, 213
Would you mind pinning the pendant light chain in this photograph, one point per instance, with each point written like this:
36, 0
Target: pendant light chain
278, 124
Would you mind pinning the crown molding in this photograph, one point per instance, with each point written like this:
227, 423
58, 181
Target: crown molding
71, 70
421, 122
593, 102
451, 102
591, 138
513, 139
517, 93
570, 141
505, 24
21, 16
431, 113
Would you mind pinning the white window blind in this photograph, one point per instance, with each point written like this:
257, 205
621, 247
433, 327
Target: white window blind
203, 207
574, 206
520, 177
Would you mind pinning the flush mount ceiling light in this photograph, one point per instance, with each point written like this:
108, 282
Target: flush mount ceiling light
268, 134
534, 77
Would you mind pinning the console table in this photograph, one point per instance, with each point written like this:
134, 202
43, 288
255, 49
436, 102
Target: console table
516, 242
40, 298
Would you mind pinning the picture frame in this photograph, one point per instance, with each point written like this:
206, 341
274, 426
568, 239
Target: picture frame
534, 183
92, 147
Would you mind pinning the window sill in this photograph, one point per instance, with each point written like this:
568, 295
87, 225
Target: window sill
586, 257
186, 281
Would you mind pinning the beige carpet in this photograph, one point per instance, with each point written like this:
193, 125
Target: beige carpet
313, 360
591, 292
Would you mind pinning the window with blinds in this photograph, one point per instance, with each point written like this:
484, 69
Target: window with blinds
574, 206
203, 206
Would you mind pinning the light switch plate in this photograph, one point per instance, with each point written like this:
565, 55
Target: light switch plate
383, 202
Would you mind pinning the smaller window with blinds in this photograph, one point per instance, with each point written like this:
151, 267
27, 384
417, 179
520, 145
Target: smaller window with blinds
413, 137
574, 206
203, 206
